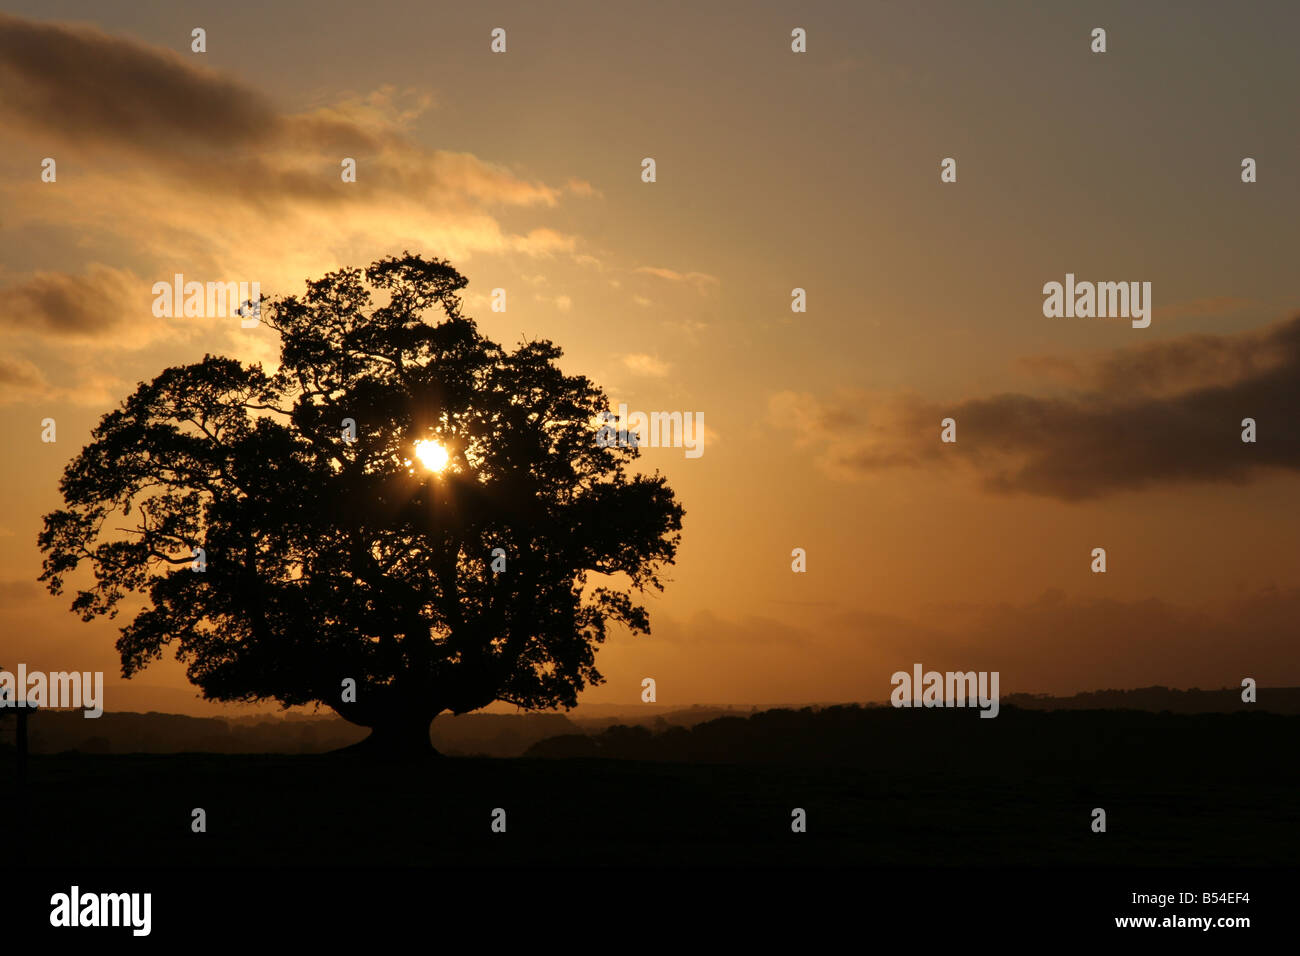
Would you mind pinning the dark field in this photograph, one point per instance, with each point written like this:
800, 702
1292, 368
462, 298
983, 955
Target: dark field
879, 787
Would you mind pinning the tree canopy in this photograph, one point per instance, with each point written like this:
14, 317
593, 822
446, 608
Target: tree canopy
329, 551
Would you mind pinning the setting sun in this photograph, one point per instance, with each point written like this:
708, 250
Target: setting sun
432, 455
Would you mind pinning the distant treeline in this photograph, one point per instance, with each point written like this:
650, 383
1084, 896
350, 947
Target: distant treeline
501, 735
1018, 743
697, 733
1275, 700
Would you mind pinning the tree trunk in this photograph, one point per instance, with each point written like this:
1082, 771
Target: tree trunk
399, 723
397, 740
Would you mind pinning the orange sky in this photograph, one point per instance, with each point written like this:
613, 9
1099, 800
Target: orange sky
775, 171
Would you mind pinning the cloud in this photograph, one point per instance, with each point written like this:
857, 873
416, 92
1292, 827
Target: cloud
188, 170
579, 187
113, 306
15, 590
642, 364
561, 302
21, 380
63, 80
814, 420
1164, 413
541, 242
19, 374
96, 90
702, 281
1167, 368
688, 328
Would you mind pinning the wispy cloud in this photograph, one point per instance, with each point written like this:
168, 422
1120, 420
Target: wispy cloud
1166, 413
194, 166
19, 375
702, 281
642, 364
112, 307
561, 302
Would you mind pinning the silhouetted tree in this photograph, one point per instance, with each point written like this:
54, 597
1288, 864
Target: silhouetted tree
328, 559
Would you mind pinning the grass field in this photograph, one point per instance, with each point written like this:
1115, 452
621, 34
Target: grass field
263, 810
